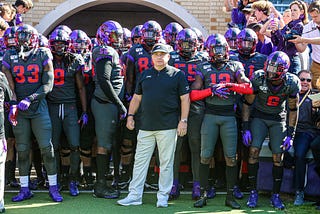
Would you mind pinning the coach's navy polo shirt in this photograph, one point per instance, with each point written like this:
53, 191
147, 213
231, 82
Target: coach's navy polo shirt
161, 91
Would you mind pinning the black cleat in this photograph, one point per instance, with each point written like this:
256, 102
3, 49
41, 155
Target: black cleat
232, 204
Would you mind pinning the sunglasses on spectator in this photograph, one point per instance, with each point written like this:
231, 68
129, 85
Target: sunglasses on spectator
304, 79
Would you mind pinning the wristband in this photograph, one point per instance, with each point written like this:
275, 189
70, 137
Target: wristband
130, 115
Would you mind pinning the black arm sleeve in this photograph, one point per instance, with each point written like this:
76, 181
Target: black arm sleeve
103, 72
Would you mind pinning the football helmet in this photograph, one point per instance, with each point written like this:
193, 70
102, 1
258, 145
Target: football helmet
187, 42
218, 48
26, 38
59, 42
110, 33
247, 41
136, 34
277, 65
151, 33
43, 41
231, 37
79, 42
10, 37
170, 33
63, 27
201, 39
126, 44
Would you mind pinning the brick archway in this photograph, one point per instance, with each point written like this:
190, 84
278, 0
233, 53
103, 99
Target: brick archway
70, 7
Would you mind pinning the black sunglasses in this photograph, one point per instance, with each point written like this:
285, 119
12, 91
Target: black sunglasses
303, 79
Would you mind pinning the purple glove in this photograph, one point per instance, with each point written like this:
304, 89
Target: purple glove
246, 134
246, 138
83, 119
128, 98
286, 143
288, 140
13, 115
219, 91
123, 112
24, 104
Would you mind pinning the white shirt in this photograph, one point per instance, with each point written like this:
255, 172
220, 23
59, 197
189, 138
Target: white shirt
311, 30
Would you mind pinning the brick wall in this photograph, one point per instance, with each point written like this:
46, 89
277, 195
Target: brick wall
209, 13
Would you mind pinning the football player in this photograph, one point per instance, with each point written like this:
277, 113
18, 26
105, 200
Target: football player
220, 78
170, 33
30, 75
63, 108
273, 87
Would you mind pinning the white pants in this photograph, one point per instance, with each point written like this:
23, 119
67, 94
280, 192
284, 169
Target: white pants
3, 156
147, 140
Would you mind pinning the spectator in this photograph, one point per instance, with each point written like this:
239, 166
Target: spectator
281, 37
286, 16
161, 93
264, 45
311, 35
7, 12
22, 7
305, 133
262, 10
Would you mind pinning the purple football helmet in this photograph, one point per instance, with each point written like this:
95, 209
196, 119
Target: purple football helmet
247, 41
26, 37
126, 44
43, 41
231, 37
63, 27
136, 34
201, 38
277, 65
10, 37
151, 33
170, 33
59, 42
218, 48
79, 42
187, 42
110, 33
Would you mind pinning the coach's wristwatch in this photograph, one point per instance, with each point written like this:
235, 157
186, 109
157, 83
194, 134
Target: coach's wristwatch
184, 120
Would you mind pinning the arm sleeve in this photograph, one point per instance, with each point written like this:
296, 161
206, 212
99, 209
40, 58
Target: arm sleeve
103, 72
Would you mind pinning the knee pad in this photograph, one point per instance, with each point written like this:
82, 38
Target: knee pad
74, 148
277, 160
231, 161
253, 155
65, 152
85, 153
126, 147
205, 160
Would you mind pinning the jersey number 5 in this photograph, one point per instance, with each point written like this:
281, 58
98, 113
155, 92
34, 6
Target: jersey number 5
273, 101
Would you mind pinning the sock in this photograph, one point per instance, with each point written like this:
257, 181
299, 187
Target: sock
277, 173
52, 180
252, 175
101, 166
24, 181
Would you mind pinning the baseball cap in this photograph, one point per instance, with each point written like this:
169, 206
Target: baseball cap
159, 47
